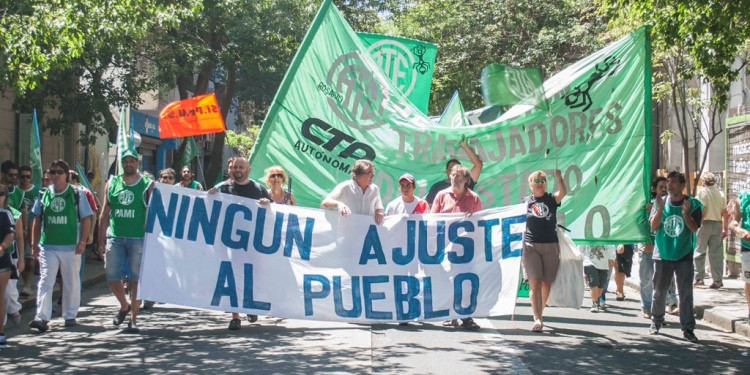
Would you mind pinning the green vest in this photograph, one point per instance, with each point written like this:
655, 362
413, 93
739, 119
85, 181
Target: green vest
127, 207
29, 196
193, 185
60, 217
673, 238
745, 209
15, 197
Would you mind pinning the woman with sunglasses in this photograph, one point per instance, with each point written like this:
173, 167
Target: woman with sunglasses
7, 235
541, 253
275, 179
167, 176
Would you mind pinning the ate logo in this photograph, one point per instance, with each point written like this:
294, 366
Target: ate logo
674, 225
126, 197
363, 93
57, 204
397, 62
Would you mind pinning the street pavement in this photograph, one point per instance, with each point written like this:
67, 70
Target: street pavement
174, 339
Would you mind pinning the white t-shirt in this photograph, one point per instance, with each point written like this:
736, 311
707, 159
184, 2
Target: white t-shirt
713, 202
598, 256
359, 202
398, 206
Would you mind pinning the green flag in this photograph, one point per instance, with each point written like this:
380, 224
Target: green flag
35, 154
83, 178
504, 85
190, 153
335, 106
453, 115
125, 140
408, 63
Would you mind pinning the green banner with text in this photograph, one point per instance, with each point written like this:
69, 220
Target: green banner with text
336, 105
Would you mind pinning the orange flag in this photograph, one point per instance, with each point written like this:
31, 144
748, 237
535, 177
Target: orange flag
194, 116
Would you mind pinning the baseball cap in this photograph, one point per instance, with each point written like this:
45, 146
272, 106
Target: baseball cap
407, 177
129, 153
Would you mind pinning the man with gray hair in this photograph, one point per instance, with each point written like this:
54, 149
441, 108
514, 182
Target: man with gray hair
358, 195
710, 234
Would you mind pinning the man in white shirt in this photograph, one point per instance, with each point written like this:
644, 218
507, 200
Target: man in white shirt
710, 233
358, 195
407, 203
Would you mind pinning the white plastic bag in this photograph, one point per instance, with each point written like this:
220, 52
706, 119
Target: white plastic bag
567, 289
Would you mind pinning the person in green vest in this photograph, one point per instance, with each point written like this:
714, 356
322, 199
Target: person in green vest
675, 218
30, 194
187, 179
9, 171
122, 226
62, 220
739, 223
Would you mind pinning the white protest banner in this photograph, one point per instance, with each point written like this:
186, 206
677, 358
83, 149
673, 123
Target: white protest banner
227, 253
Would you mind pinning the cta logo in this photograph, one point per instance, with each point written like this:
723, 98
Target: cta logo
126, 197
674, 225
363, 93
328, 137
397, 62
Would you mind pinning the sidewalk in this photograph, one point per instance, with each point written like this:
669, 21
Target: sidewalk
93, 273
725, 308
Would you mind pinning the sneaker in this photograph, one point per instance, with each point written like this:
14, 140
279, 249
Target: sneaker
594, 307
25, 291
131, 328
716, 285
450, 323
120, 317
235, 324
654, 329
602, 308
71, 322
469, 323
647, 313
40, 325
3, 342
252, 318
689, 335
15, 318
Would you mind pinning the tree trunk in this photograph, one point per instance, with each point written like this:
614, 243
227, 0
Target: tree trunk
216, 164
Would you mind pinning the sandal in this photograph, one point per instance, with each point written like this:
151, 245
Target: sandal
620, 297
120, 317
538, 327
235, 324
450, 323
469, 323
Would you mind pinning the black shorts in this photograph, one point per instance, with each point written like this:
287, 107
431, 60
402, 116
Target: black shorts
6, 264
596, 277
625, 262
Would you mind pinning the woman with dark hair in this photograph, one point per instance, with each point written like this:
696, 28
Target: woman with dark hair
167, 176
7, 236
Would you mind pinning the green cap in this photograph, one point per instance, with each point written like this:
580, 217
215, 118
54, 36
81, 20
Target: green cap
127, 153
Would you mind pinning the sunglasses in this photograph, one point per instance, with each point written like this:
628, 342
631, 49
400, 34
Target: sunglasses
538, 180
167, 177
25, 176
57, 171
277, 175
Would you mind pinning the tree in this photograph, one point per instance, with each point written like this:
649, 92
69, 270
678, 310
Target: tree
697, 45
79, 59
475, 33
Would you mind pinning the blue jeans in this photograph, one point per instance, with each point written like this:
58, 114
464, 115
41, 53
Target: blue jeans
121, 254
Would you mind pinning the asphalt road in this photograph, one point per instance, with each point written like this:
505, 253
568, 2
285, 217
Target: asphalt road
178, 340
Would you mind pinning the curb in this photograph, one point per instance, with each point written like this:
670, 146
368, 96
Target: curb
707, 315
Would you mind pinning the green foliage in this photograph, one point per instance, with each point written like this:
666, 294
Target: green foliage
472, 34
242, 142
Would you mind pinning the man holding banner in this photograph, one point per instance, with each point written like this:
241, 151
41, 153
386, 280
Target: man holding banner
475, 171
240, 184
358, 195
122, 226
